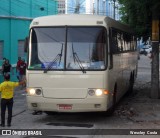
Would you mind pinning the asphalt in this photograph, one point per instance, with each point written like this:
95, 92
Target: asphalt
138, 107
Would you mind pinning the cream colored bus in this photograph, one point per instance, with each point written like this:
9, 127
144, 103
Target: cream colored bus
79, 63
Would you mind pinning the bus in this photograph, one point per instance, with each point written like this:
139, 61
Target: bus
79, 63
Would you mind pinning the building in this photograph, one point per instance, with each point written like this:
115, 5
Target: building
108, 8
15, 18
61, 6
75, 6
90, 9
99, 7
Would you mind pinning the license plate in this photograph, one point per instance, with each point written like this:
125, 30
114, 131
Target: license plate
65, 107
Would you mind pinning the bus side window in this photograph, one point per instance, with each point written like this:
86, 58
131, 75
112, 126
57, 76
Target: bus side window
114, 42
112, 49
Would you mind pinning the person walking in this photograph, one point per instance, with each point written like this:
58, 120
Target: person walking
4, 59
7, 90
6, 67
22, 70
150, 55
17, 67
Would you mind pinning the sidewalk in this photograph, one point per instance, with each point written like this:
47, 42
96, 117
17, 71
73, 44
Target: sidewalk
139, 107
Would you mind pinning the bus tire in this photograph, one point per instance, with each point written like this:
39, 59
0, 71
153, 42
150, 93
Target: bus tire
111, 110
131, 83
50, 113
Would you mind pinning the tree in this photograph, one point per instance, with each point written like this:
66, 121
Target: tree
144, 17
137, 13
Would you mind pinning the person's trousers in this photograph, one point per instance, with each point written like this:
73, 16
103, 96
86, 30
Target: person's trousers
6, 103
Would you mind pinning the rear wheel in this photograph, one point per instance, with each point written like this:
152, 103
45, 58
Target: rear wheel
131, 83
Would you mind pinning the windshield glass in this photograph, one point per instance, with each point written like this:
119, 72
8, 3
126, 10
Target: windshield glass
46, 45
88, 44
71, 48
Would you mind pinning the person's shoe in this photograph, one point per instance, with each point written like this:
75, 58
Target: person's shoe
34, 113
2, 125
37, 113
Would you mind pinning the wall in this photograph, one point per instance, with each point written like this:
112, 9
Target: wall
15, 18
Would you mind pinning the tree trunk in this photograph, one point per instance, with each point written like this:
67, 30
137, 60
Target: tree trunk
155, 58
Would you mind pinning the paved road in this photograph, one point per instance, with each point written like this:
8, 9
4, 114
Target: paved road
23, 118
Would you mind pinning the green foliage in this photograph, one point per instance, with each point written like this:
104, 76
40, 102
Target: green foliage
138, 14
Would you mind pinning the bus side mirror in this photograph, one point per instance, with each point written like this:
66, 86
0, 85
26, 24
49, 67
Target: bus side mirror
26, 44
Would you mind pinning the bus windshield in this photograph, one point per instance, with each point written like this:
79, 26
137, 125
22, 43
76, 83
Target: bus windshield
68, 48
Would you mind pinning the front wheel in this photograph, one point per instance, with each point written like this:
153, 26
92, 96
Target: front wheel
111, 110
50, 113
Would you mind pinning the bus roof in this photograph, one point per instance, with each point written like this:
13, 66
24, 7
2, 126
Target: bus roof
78, 20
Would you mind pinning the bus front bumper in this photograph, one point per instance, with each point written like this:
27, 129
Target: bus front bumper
67, 105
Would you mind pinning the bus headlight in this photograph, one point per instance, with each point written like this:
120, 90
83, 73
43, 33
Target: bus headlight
99, 92
31, 91
34, 91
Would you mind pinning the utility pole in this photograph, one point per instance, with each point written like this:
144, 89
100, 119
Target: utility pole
93, 7
104, 9
97, 7
114, 9
155, 51
77, 8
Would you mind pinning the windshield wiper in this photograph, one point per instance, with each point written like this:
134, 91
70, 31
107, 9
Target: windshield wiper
58, 57
76, 59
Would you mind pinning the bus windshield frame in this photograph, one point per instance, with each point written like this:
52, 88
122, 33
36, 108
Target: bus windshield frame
71, 48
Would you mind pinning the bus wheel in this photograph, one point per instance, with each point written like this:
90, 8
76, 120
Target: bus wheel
111, 110
50, 113
131, 83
